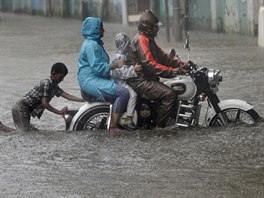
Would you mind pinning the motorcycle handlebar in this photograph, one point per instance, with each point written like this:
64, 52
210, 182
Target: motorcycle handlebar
191, 67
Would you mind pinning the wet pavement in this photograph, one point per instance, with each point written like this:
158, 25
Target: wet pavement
197, 162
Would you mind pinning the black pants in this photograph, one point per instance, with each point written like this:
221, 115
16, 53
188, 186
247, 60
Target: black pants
21, 117
157, 91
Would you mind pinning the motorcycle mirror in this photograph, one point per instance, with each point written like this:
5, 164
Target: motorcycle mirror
172, 53
186, 22
186, 45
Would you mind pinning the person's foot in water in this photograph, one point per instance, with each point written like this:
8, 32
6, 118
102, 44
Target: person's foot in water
5, 128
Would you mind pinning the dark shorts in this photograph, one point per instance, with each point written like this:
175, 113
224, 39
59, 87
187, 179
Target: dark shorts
21, 116
119, 99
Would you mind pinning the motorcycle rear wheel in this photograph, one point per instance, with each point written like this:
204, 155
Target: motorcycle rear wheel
236, 116
93, 119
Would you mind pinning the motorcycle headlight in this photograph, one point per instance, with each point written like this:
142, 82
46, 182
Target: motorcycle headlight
214, 79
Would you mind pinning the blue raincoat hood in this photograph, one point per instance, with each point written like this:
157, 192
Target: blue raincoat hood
91, 28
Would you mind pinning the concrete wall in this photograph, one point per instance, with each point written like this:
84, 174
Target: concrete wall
217, 10
261, 27
21, 6
61, 8
200, 14
229, 16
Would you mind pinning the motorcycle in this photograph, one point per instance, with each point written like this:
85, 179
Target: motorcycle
201, 83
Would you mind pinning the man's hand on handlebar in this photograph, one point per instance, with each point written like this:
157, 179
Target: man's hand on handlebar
183, 68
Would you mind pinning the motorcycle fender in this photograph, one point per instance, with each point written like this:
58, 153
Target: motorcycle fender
84, 108
227, 104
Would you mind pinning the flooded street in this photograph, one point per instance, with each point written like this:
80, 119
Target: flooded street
198, 162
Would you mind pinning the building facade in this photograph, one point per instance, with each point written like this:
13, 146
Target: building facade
228, 16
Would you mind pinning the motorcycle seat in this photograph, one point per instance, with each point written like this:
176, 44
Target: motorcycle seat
88, 97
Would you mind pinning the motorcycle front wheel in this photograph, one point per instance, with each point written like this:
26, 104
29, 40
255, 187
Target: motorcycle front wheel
236, 116
93, 119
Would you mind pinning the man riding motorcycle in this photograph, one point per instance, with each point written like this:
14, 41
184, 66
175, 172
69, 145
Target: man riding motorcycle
155, 63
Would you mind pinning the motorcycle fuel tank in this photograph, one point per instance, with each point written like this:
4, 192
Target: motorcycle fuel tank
185, 87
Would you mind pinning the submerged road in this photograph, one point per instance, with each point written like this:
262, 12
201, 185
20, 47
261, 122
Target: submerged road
198, 162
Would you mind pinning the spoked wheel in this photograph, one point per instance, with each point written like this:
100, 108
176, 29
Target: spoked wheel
237, 116
94, 119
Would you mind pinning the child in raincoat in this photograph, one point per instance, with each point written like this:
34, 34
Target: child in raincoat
129, 70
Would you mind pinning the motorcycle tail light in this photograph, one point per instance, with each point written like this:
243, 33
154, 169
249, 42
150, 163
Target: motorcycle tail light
67, 118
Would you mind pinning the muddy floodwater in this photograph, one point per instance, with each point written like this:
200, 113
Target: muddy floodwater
196, 162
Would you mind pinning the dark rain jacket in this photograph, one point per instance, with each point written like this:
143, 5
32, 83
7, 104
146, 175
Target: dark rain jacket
155, 62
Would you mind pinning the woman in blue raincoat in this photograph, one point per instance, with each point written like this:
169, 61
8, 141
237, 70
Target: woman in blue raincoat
94, 70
